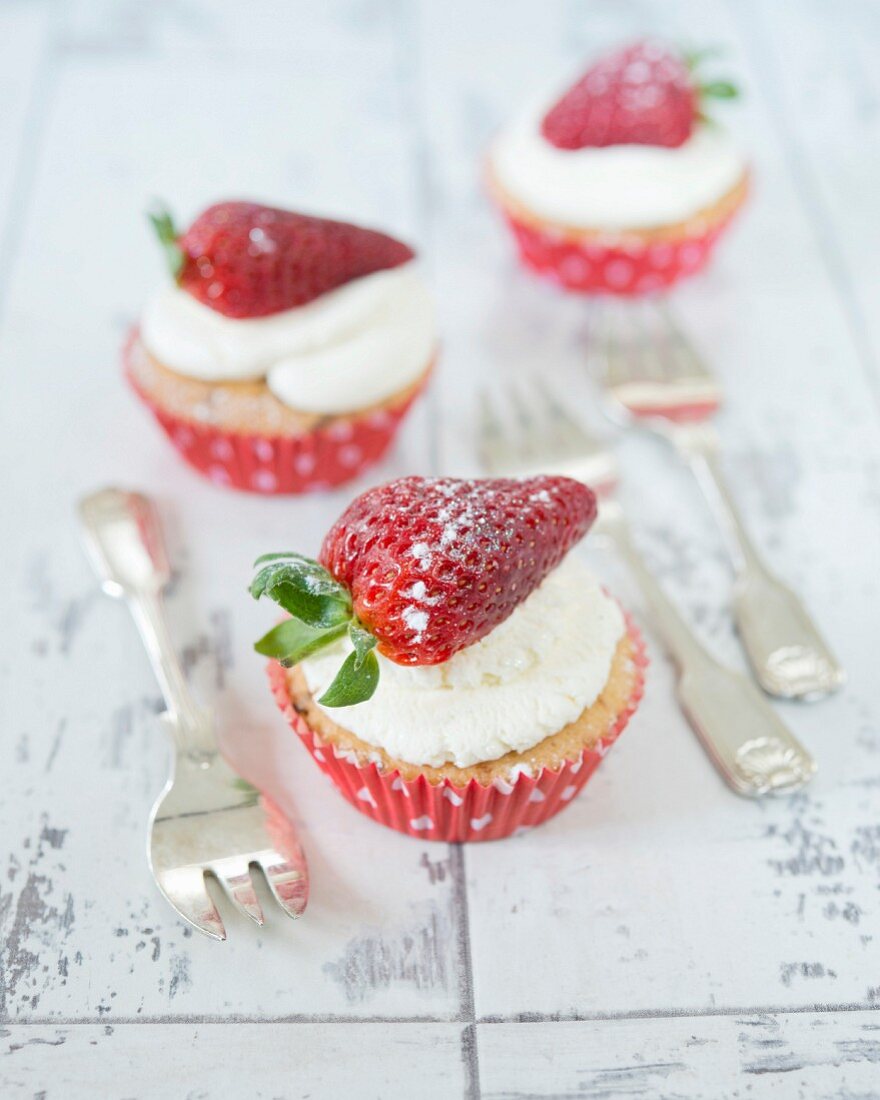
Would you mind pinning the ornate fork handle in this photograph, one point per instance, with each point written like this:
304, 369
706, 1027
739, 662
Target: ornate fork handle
751, 747
784, 647
124, 540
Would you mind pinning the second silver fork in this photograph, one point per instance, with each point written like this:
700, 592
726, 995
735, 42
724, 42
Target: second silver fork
655, 377
751, 747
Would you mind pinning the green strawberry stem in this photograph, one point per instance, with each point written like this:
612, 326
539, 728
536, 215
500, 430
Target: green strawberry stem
163, 224
708, 90
321, 613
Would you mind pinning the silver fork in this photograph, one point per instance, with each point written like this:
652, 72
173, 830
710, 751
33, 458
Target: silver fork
657, 380
752, 749
207, 821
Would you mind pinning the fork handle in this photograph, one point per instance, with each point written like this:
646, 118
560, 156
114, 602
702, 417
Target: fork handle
753, 750
123, 538
188, 722
789, 656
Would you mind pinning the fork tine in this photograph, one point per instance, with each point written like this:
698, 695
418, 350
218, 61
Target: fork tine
184, 889
581, 453
612, 350
571, 430
650, 367
686, 354
495, 446
287, 880
550, 440
235, 878
536, 436
648, 345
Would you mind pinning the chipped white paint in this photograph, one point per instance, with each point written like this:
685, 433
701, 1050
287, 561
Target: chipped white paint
308, 1060
742, 915
788, 1058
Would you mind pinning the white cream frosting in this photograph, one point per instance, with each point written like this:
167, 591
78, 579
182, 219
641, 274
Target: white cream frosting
617, 187
532, 675
350, 348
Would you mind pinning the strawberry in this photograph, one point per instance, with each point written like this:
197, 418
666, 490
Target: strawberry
246, 260
421, 568
644, 94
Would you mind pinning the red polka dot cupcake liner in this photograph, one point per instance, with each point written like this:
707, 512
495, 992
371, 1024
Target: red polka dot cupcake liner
443, 811
314, 461
628, 266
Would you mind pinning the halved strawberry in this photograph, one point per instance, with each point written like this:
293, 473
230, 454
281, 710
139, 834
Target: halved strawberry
421, 568
247, 260
645, 94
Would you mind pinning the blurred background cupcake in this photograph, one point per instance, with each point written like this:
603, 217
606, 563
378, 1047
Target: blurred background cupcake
285, 350
623, 183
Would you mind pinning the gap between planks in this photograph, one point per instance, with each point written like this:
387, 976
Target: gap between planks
488, 1020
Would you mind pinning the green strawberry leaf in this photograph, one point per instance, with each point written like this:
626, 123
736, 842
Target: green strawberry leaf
305, 590
292, 641
355, 682
284, 556
163, 224
362, 640
719, 89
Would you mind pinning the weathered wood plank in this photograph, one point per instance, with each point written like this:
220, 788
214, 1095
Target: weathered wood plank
26, 67
229, 1061
728, 1058
823, 90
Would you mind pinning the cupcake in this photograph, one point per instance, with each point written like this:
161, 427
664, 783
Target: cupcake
448, 664
284, 352
622, 185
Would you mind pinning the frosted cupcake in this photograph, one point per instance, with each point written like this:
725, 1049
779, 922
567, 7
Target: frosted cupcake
622, 185
447, 664
285, 350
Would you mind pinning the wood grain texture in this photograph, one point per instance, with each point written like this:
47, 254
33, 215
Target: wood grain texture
229, 1061
659, 938
727, 1058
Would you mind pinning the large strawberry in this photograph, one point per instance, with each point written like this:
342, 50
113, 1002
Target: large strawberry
421, 568
644, 94
247, 260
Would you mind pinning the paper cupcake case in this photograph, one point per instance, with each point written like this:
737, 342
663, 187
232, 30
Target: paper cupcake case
443, 811
626, 266
320, 459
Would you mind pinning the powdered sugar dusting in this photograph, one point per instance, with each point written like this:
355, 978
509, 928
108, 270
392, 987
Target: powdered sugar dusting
421, 551
415, 619
419, 593
473, 549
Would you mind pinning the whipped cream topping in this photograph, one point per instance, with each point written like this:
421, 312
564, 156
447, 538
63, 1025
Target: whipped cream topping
350, 348
617, 187
527, 679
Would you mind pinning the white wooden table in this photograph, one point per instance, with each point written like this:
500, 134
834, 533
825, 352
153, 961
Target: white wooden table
661, 938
